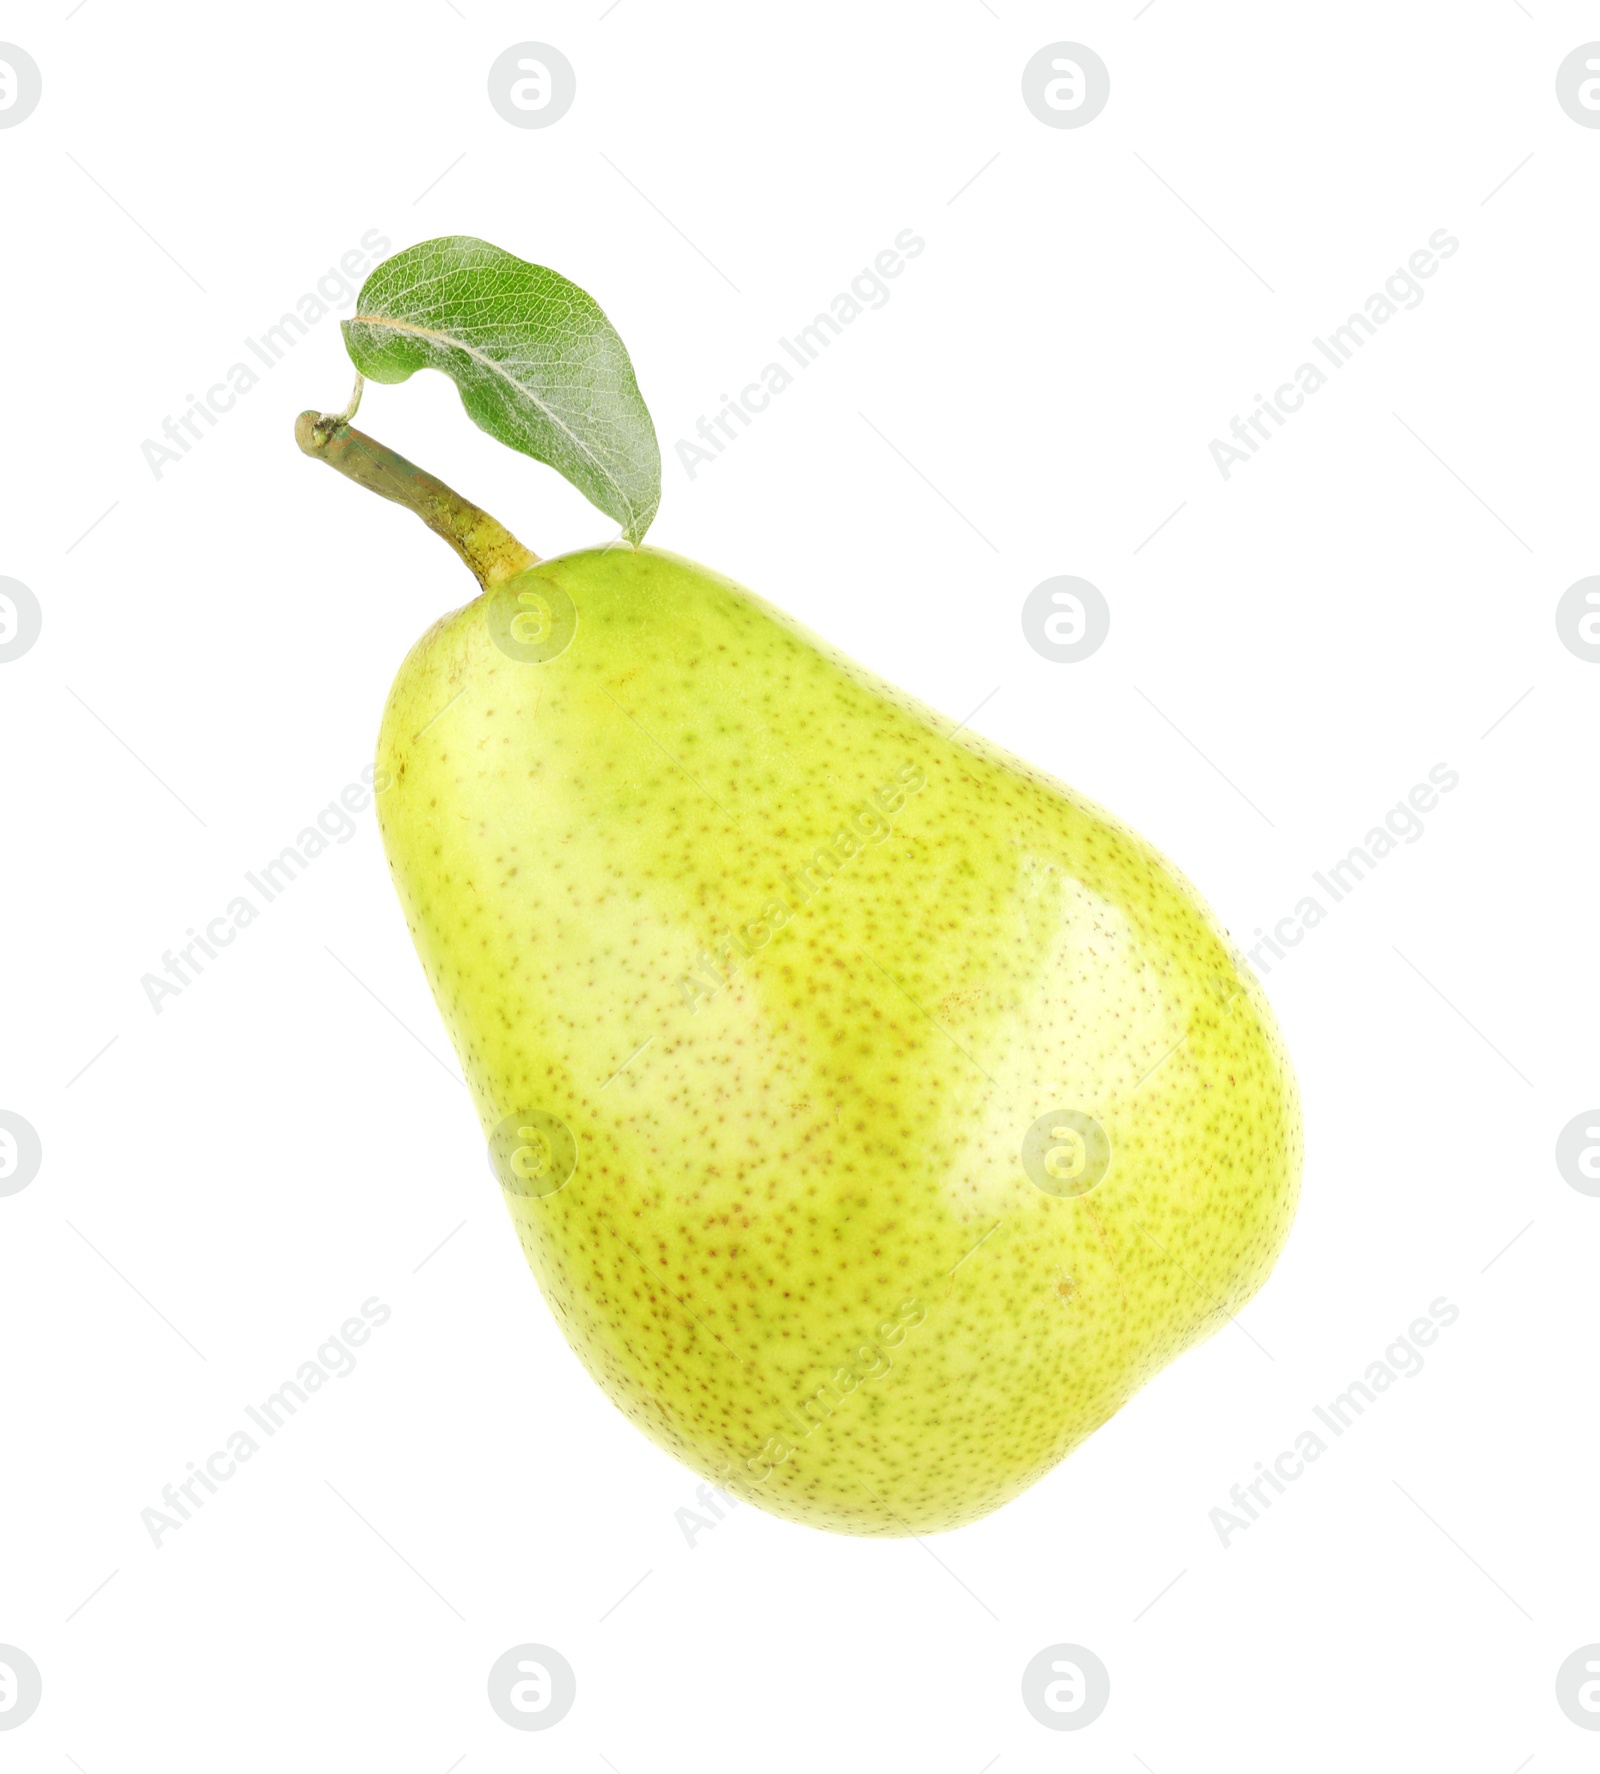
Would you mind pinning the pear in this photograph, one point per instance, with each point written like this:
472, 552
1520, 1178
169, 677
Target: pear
876, 1113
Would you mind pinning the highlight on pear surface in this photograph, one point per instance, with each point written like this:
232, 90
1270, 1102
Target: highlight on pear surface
875, 1113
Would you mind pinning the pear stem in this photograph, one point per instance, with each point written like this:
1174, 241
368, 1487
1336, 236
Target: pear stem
490, 550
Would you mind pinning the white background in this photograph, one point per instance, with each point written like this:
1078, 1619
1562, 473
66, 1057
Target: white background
1369, 596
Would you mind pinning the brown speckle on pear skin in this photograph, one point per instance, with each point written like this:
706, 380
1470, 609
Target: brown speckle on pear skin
799, 973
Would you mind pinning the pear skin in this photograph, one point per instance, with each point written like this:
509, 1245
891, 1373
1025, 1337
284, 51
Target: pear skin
876, 1114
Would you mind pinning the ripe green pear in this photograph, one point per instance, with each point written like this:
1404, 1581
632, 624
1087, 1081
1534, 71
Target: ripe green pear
876, 1113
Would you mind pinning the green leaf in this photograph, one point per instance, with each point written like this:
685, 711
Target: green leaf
538, 364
